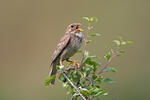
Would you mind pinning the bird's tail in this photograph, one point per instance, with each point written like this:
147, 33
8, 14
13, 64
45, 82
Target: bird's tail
53, 71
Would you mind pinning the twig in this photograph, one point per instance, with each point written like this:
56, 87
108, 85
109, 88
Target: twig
64, 74
110, 60
85, 45
72, 98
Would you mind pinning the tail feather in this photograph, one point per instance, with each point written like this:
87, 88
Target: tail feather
53, 71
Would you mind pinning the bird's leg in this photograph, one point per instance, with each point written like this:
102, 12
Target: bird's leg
76, 64
61, 64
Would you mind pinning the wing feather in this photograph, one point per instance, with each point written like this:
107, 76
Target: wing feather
62, 44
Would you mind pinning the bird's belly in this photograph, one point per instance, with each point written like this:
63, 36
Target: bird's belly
72, 48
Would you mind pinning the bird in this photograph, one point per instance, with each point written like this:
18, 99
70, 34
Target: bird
69, 44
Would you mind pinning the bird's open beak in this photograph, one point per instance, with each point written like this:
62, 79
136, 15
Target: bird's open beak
79, 29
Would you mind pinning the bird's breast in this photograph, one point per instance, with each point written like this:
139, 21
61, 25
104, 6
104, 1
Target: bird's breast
73, 46
77, 40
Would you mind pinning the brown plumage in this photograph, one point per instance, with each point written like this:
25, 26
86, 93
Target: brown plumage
67, 47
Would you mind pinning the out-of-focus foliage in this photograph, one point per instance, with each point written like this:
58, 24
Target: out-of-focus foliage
87, 78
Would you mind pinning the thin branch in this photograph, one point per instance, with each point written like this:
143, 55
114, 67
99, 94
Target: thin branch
85, 44
75, 87
72, 98
110, 60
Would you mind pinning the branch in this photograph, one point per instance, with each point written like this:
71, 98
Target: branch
85, 45
75, 87
110, 60
72, 98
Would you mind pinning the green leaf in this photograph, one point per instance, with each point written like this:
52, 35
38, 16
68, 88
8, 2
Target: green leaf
129, 42
89, 87
92, 56
94, 76
62, 78
120, 52
75, 76
93, 19
84, 91
88, 70
117, 42
98, 94
93, 67
86, 18
91, 90
102, 92
57, 67
49, 79
92, 63
123, 43
108, 80
88, 41
76, 95
82, 82
95, 34
92, 27
99, 79
126, 42
94, 90
65, 85
110, 69
90, 19
86, 54
108, 56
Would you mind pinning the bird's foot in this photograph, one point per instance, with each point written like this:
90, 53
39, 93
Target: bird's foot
76, 64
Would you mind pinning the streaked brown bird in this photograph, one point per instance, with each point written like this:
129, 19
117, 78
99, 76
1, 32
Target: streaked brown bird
67, 47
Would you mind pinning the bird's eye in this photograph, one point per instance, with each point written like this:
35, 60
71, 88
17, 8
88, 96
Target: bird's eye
72, 26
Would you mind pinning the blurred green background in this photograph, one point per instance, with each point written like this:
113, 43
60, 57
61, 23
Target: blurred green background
31, 29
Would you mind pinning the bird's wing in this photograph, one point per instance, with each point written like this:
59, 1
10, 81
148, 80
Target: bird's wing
62, 44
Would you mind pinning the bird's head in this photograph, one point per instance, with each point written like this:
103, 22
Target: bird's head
74, 28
